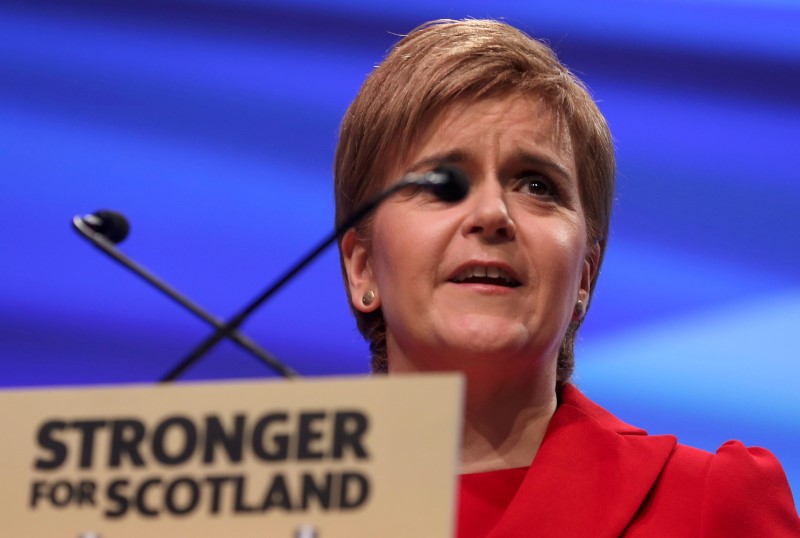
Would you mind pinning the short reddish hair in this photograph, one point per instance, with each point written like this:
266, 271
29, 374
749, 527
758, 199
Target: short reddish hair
436, 65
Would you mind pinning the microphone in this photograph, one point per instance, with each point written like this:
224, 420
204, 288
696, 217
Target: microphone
110, 224
105, 228
449, 183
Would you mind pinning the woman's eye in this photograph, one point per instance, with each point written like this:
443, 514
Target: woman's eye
537, 185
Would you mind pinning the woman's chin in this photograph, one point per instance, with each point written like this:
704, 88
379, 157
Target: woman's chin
468, 343
488, 342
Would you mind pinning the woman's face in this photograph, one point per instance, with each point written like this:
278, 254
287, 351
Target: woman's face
496, 276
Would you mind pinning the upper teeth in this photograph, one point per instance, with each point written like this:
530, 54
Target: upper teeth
483, 271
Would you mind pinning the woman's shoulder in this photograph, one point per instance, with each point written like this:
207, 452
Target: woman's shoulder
736, 491
729, 468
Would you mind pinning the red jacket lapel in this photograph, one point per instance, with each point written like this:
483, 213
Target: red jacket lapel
589, 477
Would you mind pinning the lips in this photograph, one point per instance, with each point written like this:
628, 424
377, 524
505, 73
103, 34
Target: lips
485, 274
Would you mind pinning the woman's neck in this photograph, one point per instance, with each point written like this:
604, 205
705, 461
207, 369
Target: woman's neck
504, 423
509, 402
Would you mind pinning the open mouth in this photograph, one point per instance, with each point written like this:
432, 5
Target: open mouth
491, 275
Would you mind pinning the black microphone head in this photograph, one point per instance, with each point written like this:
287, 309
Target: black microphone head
449, 183
112, 225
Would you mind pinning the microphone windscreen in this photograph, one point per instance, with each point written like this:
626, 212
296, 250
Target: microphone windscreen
454, 185
114, 226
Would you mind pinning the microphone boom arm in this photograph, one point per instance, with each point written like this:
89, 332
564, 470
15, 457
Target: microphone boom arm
448, 182
107, 247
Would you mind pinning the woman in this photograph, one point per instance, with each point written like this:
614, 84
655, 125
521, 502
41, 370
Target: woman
496, 287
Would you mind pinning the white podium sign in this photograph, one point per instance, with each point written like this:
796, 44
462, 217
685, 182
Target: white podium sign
325, 458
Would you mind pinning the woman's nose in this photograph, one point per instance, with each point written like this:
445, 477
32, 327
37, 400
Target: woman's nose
489, 214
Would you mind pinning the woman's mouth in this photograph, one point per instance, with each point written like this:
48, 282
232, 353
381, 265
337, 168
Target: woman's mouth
481, 274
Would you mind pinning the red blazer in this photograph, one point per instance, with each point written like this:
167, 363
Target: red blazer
595, 476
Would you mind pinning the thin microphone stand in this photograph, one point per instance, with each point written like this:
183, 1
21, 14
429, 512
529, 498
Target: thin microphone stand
107, 246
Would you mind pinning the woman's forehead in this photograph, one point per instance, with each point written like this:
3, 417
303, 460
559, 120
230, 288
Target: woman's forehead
537, 122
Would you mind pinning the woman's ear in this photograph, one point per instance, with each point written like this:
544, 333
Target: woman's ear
360, 278
591, 264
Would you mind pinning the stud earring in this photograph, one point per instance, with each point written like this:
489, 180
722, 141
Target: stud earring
580, 309
368, 297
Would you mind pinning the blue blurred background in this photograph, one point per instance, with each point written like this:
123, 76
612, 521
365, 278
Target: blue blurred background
212, 126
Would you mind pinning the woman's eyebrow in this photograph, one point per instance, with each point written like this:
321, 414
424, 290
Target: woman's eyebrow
546, 163
458, 156
448, 157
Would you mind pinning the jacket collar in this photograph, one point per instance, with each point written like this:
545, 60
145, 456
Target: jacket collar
589, 477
